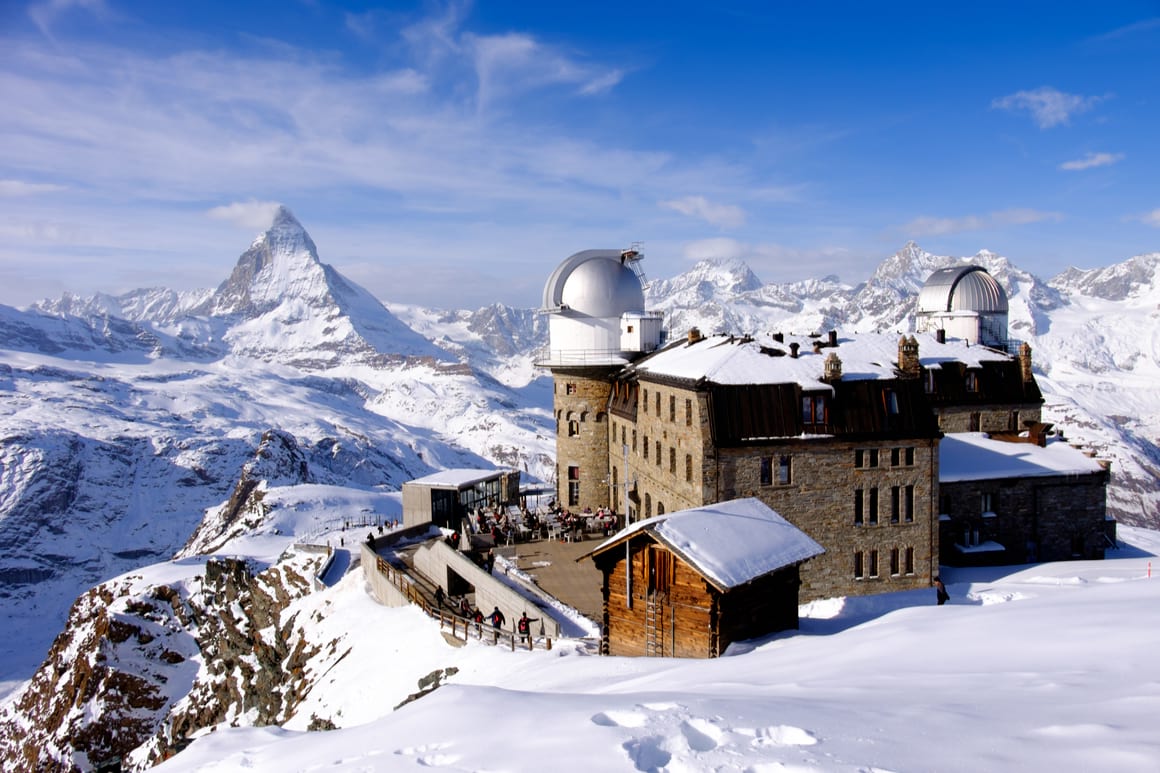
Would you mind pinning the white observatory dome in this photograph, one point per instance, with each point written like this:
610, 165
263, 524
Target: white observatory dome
596, 283
962, 288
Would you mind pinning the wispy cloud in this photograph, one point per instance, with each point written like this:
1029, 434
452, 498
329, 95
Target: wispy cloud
1150, 218
17, 188
723, 215
1144, 25
254, 215
45, 14
941, 226
1091, 161
1048, 106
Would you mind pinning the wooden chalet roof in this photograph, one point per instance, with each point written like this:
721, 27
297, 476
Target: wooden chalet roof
728, 543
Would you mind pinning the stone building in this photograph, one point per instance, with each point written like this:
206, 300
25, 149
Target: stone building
838, 433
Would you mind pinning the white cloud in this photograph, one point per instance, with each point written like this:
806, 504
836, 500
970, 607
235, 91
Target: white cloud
44, 14
1151, 218
1092, 160
14, 188
1048, 106
723, 215
940, 226
253, 215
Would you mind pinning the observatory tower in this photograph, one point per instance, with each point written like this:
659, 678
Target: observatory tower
963, 302
597, 324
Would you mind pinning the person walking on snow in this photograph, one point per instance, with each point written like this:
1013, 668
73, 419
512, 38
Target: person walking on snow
941, 591
496, 617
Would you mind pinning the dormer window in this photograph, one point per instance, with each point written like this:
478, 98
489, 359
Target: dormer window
972, 382
813, 409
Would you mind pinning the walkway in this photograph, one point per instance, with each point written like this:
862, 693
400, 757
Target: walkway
552, 564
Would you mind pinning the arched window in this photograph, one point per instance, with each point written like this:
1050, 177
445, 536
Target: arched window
648, 505
660, 508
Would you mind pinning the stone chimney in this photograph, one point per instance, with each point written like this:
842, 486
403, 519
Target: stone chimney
695, 335
779, 337
908, 363
833, 368
940, 335
793, 349
1025, 362
833, 338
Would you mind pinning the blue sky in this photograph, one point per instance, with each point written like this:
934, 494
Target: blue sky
451, 154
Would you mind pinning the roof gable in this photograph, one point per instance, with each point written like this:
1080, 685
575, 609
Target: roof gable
728, 543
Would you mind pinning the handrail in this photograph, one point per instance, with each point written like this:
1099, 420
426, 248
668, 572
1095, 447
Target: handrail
407, 586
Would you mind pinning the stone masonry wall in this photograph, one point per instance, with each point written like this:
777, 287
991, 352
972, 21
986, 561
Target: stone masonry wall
581, 396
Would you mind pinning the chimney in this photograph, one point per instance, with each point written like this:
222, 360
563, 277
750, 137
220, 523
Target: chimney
694, 335
833, 368
940, 335
833, 338
908, 362
779, 337
793, 349
1025, 362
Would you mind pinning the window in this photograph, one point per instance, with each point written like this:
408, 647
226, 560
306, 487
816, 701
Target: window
908, 505
873, 572
813, 409
569, 389
858, 515
859, 458
893, 562
622, 440
644, 400
673, 408
859, 569
972, 381
783, 470
872, 507
672, 461
928, 382
1013, 420
646, 446
890, 402
573, 486
660, 508
688, 468
658, 394
973, 422
895, 457
658, 456
634, 441
573, 428
988, 503
895, 504
688, 413
648, 505
909, 560
910, 457
767, 471
873, 457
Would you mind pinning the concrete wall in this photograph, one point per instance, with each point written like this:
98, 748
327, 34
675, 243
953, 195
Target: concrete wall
381, 588
436, 557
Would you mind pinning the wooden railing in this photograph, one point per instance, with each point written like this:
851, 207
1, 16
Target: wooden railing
459, 626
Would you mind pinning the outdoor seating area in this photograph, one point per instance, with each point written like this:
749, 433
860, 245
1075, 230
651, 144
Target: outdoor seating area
507, 525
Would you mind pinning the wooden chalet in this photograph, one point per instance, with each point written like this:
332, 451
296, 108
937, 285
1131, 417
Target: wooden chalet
692, 582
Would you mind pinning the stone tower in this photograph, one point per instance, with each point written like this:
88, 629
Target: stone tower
597, 324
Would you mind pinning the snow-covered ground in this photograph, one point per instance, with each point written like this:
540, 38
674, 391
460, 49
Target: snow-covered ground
1037, 667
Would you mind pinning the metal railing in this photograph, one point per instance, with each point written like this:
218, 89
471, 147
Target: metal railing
460, 627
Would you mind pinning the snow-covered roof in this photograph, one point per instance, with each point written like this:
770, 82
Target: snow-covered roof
729, 543
736, 360
974, 456
458, 478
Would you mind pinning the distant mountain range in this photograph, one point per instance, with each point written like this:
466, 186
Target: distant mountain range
128, 420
